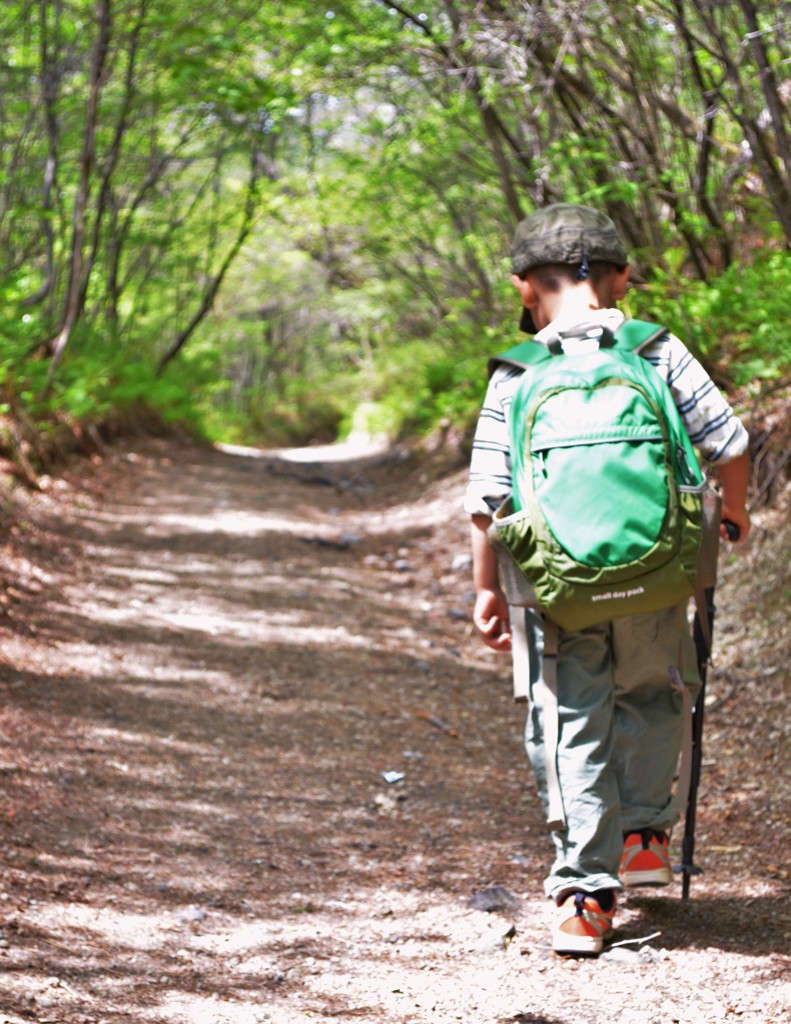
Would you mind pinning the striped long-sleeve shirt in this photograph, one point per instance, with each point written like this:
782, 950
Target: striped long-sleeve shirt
710, 422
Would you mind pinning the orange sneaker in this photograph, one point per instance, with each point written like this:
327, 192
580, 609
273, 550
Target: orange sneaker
646, 858
582, 923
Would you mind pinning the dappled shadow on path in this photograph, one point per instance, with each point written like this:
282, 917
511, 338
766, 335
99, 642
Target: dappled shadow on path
194, 744
215, 689
742, 923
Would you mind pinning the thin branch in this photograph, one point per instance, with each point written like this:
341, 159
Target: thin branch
210, 294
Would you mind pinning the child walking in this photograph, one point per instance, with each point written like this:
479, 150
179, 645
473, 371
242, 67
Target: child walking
619, 717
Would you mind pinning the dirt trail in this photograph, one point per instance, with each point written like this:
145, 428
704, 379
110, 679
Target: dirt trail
210, 663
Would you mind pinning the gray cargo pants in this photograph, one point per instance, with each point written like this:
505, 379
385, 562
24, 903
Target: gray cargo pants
619, 737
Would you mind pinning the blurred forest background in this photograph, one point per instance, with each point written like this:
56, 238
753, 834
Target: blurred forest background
279, 222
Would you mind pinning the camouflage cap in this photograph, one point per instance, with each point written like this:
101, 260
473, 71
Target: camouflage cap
565, 233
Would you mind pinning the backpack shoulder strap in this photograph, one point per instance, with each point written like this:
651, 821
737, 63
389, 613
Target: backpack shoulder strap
634, 335
526, 353
631, 336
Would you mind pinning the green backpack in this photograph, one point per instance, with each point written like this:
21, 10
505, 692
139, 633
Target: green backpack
606, 514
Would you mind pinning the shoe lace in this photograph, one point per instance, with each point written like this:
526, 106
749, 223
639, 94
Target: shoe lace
647, 835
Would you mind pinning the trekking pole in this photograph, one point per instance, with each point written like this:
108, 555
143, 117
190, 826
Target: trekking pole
703, 641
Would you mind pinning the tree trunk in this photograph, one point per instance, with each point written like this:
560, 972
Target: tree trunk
75, 293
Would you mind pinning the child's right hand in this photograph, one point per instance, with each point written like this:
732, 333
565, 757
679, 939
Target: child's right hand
735, 524
490, 617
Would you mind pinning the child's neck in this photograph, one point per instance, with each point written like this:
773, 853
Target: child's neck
577, 301
572, 304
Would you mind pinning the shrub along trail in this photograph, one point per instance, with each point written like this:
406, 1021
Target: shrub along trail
255, 767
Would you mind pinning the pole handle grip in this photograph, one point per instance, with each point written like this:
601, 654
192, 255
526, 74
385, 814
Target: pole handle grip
732, 529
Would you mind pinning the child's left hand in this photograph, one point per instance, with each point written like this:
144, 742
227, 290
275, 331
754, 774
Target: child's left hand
490, 617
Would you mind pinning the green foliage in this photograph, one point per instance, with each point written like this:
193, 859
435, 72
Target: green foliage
311, 417
419, 384
739, 324
391, 154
